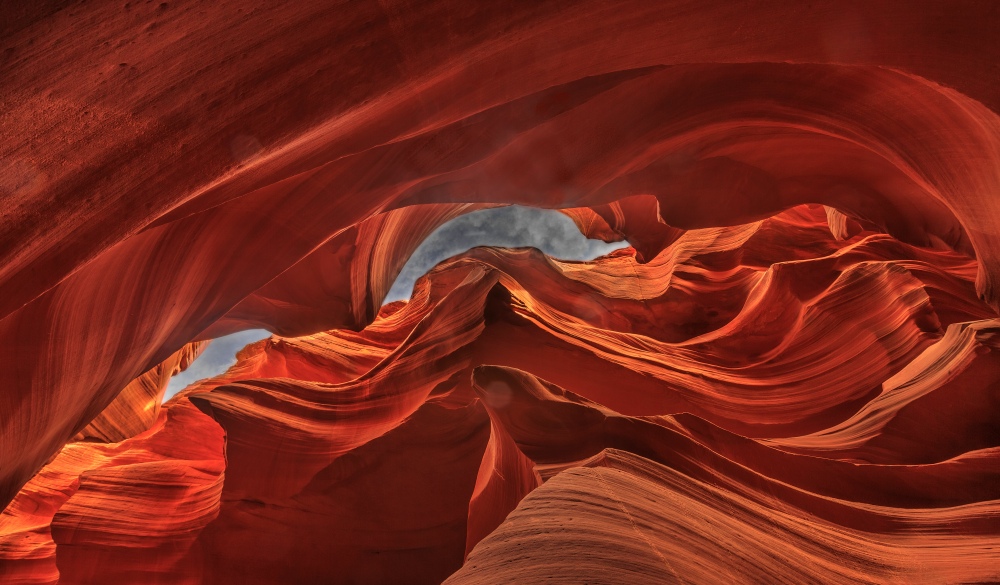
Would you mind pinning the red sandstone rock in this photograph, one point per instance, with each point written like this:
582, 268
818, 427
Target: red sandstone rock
137, 406
363, 456
756, 390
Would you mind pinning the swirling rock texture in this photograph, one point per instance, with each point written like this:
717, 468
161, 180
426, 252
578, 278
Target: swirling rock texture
791, 376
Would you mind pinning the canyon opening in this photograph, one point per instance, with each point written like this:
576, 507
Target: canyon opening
509, 292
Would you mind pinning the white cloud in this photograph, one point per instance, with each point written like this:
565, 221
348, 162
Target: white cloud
512, 227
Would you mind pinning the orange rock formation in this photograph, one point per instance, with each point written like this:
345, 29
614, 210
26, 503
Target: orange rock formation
791, 376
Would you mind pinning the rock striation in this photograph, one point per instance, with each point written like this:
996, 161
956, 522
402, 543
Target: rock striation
757, 402
791, 375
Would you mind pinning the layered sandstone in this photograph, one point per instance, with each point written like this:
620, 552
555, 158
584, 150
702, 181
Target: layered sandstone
830, 418
790, 375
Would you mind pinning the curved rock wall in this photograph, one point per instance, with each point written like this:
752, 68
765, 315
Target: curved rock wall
802, 332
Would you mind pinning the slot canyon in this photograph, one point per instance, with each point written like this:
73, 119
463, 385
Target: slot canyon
773, 356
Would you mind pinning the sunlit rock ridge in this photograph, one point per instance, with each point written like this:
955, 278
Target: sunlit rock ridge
792, 374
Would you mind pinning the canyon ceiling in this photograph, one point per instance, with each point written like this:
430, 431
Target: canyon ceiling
792, 374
